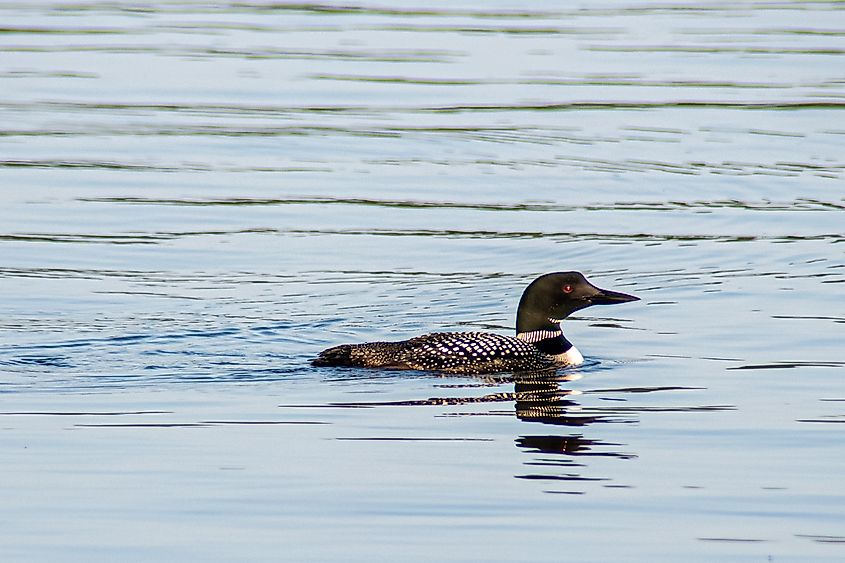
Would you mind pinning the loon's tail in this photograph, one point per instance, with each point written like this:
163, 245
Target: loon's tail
337, 356
370, 355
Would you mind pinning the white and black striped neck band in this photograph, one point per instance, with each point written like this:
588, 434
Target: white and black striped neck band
538, 335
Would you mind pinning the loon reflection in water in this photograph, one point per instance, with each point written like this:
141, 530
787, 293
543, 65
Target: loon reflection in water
559, 452
539, 342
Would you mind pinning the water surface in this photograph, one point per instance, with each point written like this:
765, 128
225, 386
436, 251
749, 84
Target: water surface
198, 198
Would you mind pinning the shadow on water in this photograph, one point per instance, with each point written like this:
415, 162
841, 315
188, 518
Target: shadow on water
558, 454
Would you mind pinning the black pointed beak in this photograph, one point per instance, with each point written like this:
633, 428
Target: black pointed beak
607, 297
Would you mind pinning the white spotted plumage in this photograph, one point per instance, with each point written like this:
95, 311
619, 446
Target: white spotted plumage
456, 352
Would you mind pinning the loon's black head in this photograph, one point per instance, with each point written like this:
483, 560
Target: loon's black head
552, 297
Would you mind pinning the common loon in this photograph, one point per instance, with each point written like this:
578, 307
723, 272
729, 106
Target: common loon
539, 342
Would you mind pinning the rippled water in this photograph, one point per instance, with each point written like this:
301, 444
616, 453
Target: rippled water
197, 198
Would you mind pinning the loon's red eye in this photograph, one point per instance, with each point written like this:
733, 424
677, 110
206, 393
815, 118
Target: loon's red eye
567, 288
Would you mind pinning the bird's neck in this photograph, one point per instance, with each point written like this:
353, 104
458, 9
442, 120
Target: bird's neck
549, 339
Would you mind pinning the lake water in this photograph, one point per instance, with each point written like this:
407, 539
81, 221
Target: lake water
196, 198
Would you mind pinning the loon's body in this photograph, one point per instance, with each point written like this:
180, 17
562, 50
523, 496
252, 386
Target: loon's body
454, 352
539, 343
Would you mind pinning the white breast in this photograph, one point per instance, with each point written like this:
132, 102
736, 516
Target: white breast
571, 357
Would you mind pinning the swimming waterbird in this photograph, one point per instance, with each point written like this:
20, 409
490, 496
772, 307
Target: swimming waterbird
539, 342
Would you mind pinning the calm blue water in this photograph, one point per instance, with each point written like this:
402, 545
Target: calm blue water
196, 198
